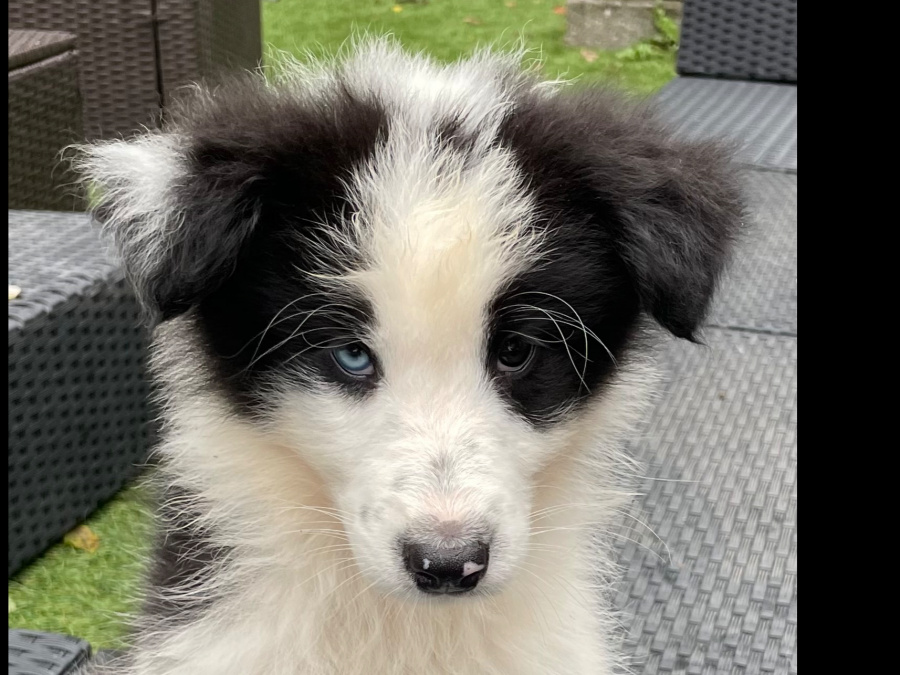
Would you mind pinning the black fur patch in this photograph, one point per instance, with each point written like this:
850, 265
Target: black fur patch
636, 221
582, 314
451, 136
670, 209
264, 171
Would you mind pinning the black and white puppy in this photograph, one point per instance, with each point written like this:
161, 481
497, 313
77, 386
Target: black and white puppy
402, 308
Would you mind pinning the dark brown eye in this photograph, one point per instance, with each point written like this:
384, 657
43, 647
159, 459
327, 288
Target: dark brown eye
514, 354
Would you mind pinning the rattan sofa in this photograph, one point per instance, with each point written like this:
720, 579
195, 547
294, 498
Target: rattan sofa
78, 400
44, 116
79, 420
135, 54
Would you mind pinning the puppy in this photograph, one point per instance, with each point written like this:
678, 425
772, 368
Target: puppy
402, 316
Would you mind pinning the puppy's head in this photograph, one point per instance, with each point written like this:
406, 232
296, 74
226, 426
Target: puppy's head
426, 280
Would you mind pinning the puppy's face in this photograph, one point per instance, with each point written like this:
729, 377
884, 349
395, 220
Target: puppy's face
431, 358
426, 281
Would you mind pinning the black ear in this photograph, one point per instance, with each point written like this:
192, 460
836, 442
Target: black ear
185, 204
675, 231
673, 207
669, 209
220, 210
179, 211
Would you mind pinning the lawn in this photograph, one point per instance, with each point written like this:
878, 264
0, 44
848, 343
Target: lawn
88, 594
447, 29
73, 591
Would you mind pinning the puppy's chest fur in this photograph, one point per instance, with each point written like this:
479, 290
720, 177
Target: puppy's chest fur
318, 618
285, 596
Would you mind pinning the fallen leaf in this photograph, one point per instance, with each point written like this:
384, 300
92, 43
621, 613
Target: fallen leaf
83, 538
12, 605
14, 292
589, 55
561, 9
472, 21
397, 8
510, 4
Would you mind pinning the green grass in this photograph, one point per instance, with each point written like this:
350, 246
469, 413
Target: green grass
448, 29
88, 594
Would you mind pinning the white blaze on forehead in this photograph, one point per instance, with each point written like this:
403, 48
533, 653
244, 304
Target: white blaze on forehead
441, 235
441, 230
440, 226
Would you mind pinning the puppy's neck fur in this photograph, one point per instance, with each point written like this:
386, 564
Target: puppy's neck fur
295, 601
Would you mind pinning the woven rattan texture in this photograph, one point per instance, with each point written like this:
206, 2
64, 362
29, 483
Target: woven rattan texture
760, 118
44, 116
739, 39
207, 40
117, 57
760, 290
78, 414
117, 42
36, 653
719, 596
29, 46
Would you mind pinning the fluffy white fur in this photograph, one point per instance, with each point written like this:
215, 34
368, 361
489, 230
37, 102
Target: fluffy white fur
311, 503
311, 589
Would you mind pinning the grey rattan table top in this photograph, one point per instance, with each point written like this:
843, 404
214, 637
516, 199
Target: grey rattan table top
710, 582
36, 653
28, 46
709, 550
760, 291
760, 118
69, 255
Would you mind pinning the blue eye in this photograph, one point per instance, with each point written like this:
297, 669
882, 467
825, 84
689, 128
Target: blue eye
354, 360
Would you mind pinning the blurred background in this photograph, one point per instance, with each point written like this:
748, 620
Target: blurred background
80, 424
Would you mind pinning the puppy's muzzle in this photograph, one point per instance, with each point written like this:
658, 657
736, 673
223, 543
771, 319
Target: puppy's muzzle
446, 570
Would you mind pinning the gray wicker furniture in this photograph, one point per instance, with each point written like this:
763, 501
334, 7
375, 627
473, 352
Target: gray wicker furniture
739, 40
737, 66
760, 117
136, 53
78, 398
78, 411
44, 115
709, 551
36, 653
